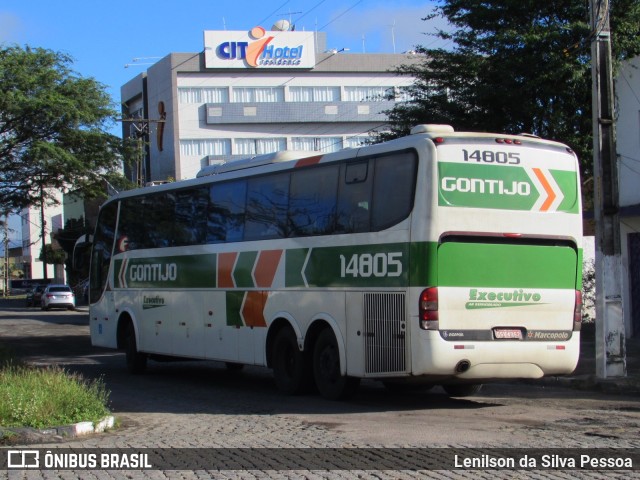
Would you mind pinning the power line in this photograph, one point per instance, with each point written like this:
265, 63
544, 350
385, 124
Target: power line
630, 86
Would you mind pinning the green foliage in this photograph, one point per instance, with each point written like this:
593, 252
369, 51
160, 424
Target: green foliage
589, 291
52, 128
39, 398
515, 66
54, 256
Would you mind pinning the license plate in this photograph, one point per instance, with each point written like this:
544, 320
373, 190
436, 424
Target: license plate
507, 333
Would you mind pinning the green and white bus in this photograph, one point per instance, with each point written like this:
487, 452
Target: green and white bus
440, 258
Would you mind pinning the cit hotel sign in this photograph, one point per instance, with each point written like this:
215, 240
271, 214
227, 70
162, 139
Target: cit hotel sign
259, 48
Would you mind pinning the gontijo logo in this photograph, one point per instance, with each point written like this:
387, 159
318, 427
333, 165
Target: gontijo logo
138, 272
506, 187
259, 48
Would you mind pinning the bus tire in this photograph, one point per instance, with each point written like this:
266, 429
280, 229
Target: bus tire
136, 361
407, 387
326, 369
288, 363
233, 366
462, 389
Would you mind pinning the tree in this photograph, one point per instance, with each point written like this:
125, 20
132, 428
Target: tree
588, 290
52, 129
53, 256
515, 66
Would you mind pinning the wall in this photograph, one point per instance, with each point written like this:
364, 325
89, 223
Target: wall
627, 87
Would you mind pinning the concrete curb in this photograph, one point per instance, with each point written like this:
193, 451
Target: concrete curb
29, 435
81, 428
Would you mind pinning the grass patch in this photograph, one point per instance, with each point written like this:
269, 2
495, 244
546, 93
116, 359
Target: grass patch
47, 397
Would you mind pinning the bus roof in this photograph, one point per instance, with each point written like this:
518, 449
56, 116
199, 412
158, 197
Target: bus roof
434, 132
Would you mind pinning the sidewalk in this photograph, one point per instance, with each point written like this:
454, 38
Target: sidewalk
584, 377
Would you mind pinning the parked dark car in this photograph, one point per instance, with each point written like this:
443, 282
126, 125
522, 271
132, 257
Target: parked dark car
34, 295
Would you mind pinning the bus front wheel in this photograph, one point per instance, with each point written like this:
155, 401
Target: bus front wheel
326, 368
288, 363
136, 361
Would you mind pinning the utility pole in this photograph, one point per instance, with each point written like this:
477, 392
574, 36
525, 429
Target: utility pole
43, 234
610, 328
6, 254
140, 129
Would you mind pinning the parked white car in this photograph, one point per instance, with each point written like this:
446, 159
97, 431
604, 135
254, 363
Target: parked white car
58, 296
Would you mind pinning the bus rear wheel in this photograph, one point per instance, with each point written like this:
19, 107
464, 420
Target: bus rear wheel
136, 361
331, 383
289, 369
462, 389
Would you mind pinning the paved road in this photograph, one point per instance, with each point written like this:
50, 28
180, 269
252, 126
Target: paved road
201, 404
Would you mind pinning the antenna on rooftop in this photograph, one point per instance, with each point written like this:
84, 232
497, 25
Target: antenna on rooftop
291, 26
281, 26
393, 36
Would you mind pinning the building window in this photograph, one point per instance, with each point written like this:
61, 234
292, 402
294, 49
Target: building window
258, 146
317, 144
203, 95
206, 146
314, 94
367, 94
356, 141
258, 95
402, 94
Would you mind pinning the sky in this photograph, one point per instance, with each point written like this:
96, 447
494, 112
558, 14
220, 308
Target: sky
102, 37
114, 41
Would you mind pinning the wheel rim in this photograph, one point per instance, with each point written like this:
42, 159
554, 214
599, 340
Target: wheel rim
329, 364
288, 360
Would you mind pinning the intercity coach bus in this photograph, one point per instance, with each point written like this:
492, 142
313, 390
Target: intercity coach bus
441, 258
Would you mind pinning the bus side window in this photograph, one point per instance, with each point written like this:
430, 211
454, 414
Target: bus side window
131, 223
354, 199
393, 189
313, 201
267, 205
225, 219
160, 222
191, 216
102, 248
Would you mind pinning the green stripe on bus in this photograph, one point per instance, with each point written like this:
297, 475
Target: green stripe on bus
394, 265
294, 264
184, 271
375, 265
567, 183
579, 269
234, 305
512, 266
242, 273
424, 263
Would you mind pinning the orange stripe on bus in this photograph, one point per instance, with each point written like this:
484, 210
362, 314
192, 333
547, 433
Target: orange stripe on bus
266, 266
226, 261
545, 183
306, 162
253, 308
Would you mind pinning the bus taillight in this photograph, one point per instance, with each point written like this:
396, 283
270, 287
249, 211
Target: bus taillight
577, 312
428, 309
